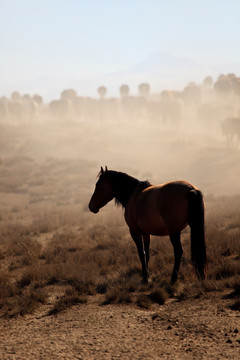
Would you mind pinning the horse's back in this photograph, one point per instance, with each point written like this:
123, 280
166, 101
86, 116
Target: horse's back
160, 209
174, 192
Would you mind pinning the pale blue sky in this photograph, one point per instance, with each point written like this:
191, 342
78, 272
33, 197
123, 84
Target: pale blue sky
75, 38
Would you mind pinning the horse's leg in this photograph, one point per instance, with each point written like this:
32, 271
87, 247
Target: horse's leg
139, 243
177, 247
146, 240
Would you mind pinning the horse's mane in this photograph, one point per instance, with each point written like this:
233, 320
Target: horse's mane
124, 185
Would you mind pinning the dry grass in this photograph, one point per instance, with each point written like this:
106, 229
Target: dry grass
71, 297
108, 266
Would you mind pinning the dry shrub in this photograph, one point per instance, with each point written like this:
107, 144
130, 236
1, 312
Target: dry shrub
82, 282
128, 288
156, 295
143, 301
236, 305
187, 291
25, 247
70, 298
40, 275
225, 270
237, 287
7, 288
159, 296
101, 286
28, 302
55, 254
223, 245
44, 223
19, 247
117, 295
212, 285
14, 301
13, 231
236, 294
121, 288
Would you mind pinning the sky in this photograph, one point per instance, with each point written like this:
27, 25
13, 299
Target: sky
65, 41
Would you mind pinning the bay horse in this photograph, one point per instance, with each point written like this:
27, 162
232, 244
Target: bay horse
159, 210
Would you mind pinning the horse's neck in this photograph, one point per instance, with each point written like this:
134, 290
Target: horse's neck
123, 186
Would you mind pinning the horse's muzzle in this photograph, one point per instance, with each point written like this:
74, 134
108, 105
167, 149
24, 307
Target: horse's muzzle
93, 209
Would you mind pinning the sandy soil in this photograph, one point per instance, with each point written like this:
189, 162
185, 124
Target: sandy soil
204, 328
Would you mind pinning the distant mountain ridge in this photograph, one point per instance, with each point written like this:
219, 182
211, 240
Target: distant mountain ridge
157, 61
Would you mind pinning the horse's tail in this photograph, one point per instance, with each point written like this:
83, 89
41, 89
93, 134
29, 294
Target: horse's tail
197, 225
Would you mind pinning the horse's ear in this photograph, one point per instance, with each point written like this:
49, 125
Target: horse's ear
102, 171
106, 169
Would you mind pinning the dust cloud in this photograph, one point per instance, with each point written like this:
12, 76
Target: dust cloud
192, 135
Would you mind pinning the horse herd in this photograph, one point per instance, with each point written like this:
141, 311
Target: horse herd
215, 106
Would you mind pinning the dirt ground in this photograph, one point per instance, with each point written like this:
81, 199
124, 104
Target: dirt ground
204, 328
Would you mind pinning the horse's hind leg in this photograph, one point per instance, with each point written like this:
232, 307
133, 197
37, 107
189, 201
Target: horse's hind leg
141, 252
177, 247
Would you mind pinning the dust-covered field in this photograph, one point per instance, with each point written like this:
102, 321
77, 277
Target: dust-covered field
70, 281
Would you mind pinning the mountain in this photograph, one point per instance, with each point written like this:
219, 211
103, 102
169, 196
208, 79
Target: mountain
159, 61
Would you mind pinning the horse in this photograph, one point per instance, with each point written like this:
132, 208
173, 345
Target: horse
159, 210
230, 128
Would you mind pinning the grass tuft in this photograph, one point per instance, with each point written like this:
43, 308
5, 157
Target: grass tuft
70, 298
158, 296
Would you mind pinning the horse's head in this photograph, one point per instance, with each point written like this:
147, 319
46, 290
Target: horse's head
103, 192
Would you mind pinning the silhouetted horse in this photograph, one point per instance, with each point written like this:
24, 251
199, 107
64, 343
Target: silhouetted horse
231, 129
160, 210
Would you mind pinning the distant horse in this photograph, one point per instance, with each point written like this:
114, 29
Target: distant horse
160, 210
231, 129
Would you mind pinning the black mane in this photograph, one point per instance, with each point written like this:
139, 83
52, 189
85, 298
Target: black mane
124, 185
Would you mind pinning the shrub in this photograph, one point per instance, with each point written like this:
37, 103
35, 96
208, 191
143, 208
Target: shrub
70, 298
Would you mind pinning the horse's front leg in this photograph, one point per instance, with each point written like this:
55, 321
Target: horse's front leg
137, 237
146, 240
